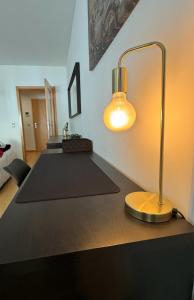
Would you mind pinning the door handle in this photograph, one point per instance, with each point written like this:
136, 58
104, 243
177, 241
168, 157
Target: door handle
35, 125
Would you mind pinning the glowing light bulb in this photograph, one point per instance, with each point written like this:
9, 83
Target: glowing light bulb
120, 114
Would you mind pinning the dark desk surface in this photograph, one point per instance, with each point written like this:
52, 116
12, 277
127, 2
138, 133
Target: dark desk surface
43, 229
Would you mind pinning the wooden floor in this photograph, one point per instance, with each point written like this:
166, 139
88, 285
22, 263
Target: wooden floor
10, 188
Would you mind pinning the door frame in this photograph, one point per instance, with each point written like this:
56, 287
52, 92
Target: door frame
51, 107
19, 89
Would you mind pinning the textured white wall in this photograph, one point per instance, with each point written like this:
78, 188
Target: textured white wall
136, 152
12, 76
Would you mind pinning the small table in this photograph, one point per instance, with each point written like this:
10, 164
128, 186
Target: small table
55, 142
90, 248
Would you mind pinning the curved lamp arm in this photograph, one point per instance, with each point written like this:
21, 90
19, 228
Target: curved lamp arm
120, 84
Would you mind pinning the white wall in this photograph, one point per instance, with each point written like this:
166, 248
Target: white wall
12, 76
136, 152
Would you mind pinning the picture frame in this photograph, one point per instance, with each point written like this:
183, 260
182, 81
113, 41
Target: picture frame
74, 92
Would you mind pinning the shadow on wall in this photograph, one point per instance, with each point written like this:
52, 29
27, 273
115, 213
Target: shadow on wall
191, 216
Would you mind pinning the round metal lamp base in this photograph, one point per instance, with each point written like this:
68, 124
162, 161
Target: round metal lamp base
145, 206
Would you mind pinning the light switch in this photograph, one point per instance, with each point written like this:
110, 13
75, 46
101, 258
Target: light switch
13, 124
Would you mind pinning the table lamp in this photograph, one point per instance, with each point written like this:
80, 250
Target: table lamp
120, 115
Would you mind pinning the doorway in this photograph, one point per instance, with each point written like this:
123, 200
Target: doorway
37, 112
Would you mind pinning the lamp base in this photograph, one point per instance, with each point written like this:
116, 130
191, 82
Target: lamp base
145, 206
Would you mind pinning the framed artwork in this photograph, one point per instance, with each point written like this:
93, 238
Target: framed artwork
74, 92
105, 19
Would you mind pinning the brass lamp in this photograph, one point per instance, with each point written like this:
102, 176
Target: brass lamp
120, 115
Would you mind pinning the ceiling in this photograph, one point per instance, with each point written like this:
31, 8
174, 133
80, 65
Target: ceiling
35, 32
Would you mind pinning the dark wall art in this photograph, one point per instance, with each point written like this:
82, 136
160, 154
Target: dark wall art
74, 92
105, 19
